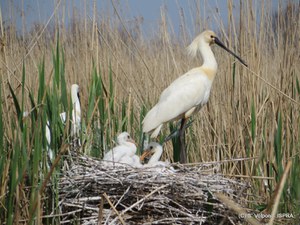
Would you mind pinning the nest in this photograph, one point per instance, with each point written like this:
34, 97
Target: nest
92, 192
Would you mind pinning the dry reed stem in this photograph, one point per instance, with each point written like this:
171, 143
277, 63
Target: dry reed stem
275, 88
113, 207
278, 191
240, 211
100, 213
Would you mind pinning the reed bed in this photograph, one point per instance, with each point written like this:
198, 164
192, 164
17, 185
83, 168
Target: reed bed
253, 113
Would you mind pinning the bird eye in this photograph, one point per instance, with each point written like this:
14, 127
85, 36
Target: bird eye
151, 147
211, 36
128, 137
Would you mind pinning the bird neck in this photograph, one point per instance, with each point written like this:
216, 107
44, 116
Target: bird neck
156, 156
209, 60
76, 103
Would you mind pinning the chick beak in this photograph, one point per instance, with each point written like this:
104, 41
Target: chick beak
144, 155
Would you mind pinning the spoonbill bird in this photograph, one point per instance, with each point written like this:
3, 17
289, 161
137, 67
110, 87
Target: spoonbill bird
156, 151
124, 151
76, 118
188, 93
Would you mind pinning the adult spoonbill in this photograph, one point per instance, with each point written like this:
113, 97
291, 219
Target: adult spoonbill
156, 151
124, 151
188, 93
75, 121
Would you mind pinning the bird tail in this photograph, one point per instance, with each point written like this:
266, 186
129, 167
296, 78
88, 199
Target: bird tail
156, 131
151, 122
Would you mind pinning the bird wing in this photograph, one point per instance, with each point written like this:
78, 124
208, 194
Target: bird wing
117, 153
188, 91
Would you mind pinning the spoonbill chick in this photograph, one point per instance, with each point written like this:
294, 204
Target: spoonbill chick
188, 93
124, 151
154, 150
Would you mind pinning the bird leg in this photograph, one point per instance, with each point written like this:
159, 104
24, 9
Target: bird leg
182, 147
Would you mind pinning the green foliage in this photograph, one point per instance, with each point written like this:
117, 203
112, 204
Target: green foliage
106, 118
17, 106
278, 148
26, 158
175, 142
294, 186
96, 101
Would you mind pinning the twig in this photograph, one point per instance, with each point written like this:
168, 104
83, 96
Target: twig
272, 86
217, 162
100, 213
278, 191
143, 199
113, 207
240, 211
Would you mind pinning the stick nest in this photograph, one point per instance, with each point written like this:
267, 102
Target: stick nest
92, 191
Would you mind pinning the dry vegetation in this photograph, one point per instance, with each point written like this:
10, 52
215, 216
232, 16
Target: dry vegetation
161, 195
252, 112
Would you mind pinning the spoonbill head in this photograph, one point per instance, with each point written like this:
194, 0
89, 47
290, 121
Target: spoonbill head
208, 37
124, 138
125, 149
154, 151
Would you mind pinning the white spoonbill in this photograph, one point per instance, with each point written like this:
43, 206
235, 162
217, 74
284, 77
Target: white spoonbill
156, 151
76, 118
76, 112
124, 151
188, 93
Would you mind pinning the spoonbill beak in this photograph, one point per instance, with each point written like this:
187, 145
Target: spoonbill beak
218, 42
145, 154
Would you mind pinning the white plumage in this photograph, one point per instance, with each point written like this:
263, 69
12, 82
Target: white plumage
189, 92
182, 98
156, 151
124, 151
75, 122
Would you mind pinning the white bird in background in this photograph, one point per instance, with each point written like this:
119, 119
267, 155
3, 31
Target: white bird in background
75, 122
188, 93
76, 114
156, 151
124, 151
